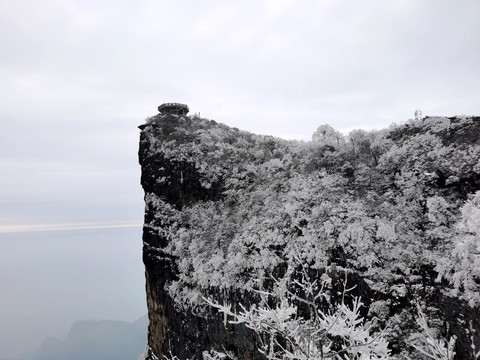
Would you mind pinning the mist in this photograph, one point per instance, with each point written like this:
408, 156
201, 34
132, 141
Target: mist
51, 279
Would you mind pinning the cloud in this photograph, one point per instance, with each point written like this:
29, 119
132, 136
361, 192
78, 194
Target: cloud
82, 75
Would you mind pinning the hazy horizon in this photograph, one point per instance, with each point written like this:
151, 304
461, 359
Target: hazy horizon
52, 279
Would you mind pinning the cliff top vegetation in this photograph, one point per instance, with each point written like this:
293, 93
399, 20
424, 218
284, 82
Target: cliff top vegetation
397, 208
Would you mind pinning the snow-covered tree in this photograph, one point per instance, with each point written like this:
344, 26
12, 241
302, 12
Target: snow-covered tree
286, 332
430, 345
327, 135
439, 219
466, 275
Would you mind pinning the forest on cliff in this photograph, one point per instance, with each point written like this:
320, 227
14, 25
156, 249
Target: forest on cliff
393, 214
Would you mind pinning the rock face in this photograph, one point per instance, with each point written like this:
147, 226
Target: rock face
173, 330
226, 210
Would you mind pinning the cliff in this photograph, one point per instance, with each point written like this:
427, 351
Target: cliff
228, 212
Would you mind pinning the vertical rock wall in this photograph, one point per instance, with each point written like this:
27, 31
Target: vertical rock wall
173, 331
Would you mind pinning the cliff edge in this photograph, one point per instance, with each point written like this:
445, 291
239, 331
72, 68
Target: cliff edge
228, 212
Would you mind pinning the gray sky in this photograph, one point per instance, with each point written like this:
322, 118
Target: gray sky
77, 77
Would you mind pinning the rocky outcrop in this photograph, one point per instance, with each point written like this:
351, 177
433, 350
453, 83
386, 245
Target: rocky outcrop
248, 198
173, 330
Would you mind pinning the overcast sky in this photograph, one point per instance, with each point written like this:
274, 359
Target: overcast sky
77, 77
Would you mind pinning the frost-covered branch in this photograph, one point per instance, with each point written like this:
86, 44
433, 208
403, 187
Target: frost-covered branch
337, 334
429, 345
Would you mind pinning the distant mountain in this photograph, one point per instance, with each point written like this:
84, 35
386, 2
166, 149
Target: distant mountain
96, 340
